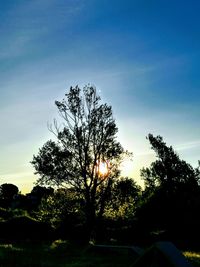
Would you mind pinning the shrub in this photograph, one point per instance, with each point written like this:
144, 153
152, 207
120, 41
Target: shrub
24, 227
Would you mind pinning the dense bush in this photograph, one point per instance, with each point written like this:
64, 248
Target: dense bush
5, 214
24, 227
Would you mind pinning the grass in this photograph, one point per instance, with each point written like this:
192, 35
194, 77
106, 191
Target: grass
61, 254
193, 257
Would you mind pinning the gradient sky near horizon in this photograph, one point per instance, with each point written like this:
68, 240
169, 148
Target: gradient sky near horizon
142, 55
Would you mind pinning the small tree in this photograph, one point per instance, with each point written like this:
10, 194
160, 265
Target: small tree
36, 195
86, 155
124, 198
61, 206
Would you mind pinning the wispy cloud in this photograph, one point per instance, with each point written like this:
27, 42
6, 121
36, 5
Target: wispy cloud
180, 147
144, 153
27, 22
188, 145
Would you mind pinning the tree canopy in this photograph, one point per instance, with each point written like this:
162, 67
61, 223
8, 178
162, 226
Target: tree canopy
168, 170
7, 191
171, 191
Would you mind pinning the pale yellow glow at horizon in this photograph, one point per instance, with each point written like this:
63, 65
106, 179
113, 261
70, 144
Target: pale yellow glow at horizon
127, 167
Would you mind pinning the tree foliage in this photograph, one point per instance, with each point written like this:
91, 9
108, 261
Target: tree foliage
64, 205
7, 191
171, 191
168, 170
124, 197
85, 140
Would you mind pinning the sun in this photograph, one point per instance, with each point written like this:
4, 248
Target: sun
102, 168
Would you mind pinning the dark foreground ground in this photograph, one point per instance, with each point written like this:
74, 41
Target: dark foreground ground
64, 254
60, 253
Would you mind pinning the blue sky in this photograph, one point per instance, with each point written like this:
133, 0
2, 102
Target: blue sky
143, 56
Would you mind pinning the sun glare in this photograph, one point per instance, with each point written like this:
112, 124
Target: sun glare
103, 168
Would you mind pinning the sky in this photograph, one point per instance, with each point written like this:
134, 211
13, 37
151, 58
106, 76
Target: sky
143, 56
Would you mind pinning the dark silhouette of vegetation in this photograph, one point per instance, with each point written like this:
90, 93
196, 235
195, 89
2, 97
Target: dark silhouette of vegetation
171, 193
168, 171
87, 198
62, 211
123, 199
85, 142
36, 195
7, 192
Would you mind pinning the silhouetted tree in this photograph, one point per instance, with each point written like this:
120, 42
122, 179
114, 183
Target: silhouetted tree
63, 206
7, 192
41, 191
168, 171
35, 196
126, 189
171, 191
85, 142
125, 194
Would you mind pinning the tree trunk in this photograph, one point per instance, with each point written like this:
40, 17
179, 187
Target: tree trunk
90, 220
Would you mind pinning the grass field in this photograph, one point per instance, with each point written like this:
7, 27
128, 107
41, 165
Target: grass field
63, 254
60, 253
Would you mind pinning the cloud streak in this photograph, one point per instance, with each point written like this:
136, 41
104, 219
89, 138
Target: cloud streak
27, 24
188, 145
